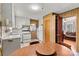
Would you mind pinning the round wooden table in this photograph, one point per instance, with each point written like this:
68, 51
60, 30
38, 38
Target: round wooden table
45, 50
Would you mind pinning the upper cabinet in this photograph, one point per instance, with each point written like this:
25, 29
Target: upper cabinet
6, 14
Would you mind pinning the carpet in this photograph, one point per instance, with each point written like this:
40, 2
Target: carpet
66, 45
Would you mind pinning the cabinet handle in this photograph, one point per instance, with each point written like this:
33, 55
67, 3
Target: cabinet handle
10, 40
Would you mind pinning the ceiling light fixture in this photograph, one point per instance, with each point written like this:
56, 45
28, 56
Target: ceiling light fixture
35, 7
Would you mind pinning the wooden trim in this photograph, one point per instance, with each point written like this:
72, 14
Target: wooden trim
69, 10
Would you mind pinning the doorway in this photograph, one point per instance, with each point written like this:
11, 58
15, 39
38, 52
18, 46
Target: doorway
66, 31
69, 31
34, 26
59, 32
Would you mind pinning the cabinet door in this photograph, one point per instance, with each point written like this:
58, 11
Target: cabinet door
10, 45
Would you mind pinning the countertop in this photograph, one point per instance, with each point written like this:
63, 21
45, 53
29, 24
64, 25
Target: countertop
10, 37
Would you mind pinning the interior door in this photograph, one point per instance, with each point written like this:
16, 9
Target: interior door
59, 30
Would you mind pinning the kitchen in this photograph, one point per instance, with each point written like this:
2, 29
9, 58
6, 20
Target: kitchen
16, 31
25, 24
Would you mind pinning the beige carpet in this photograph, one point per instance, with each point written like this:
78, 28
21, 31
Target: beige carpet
67, 45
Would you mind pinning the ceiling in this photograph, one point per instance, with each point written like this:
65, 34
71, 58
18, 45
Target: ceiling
24, 9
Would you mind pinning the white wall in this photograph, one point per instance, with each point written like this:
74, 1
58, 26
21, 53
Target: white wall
0, 19
40, 30
0, 12
22, 21
40, 21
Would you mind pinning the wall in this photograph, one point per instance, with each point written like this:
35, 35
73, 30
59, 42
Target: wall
22, 21
0, 12
40, 30
52, 28
0, 20
40, 21
74, 12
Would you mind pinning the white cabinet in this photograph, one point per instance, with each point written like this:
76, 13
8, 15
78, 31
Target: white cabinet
7, 14
26, 37
10, 45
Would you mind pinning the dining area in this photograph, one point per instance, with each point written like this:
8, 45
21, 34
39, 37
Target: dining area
43, 49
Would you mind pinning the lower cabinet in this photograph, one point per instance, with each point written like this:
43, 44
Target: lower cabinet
10, 45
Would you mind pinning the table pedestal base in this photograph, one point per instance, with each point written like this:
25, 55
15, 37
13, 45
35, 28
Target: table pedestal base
40, 54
